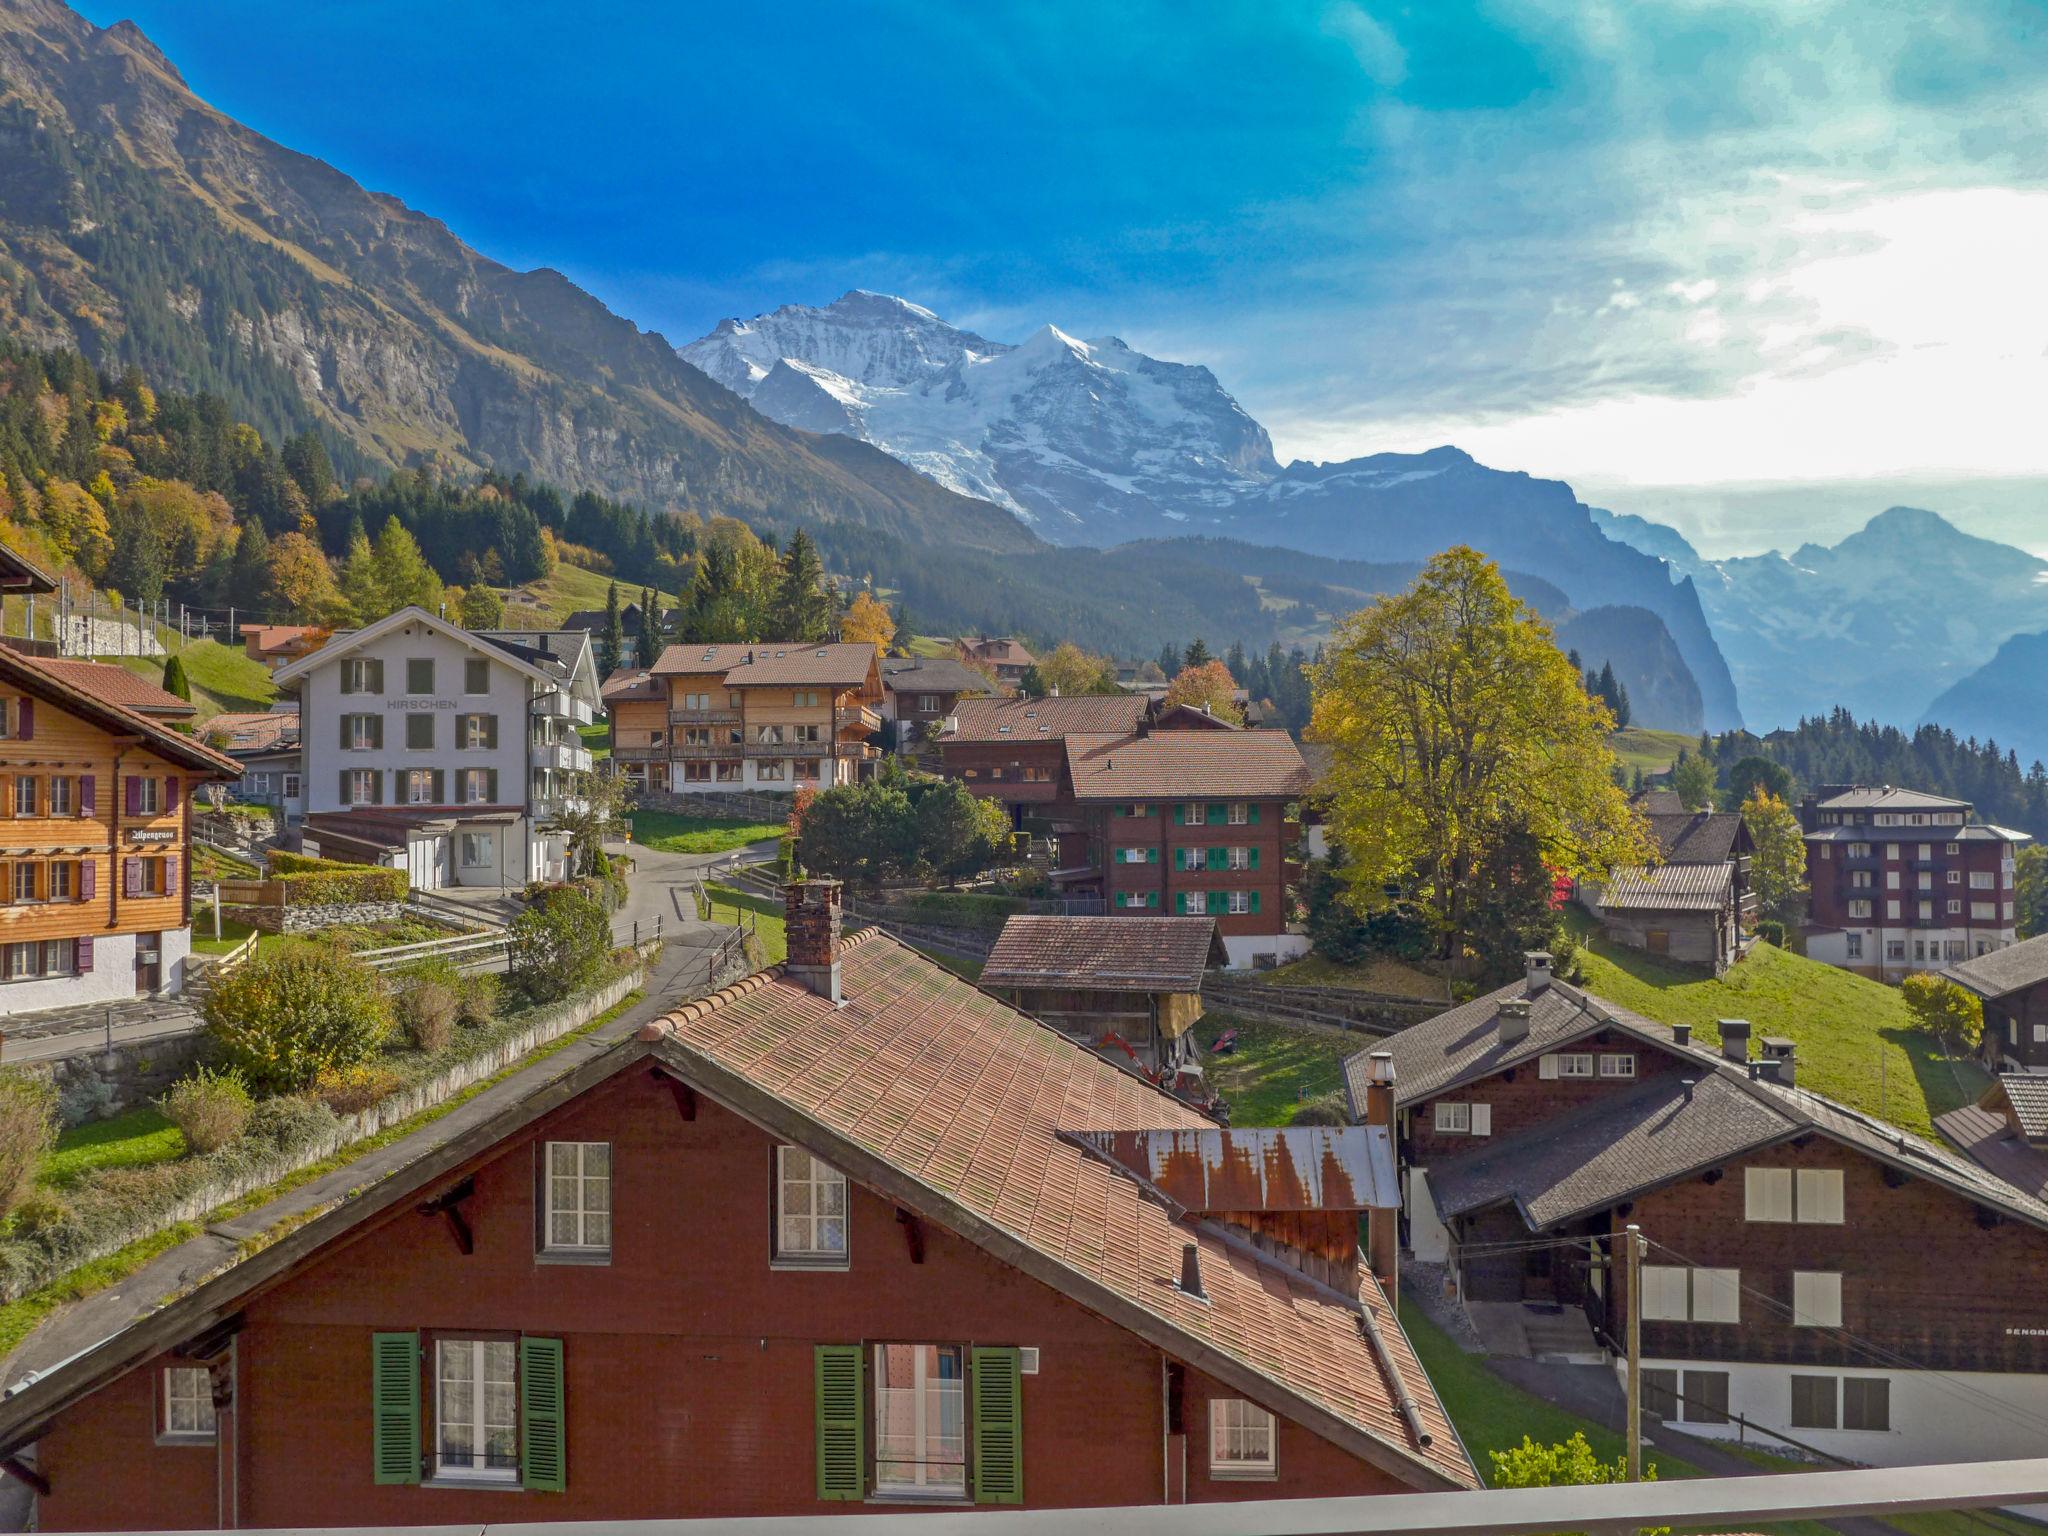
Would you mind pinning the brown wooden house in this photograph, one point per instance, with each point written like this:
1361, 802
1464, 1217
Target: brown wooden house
2012, 983
847, 1234
1802, 1255
95, 837
1109, 982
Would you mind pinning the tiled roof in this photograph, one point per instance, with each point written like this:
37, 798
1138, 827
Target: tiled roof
1103, 954
1696, 837
117, 685
2011, 969
87, 703
1045, 719
1610, 1149
271, 730
1464, 1043
930, 674
1186, 764
2028, 1096
834, 663
1984, 1136
633, 683
1658, 802
1669, 888
925, 1083
1001, 653
1865, 797
1257, 1168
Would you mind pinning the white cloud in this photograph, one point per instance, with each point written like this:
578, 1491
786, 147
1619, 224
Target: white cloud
1377, 50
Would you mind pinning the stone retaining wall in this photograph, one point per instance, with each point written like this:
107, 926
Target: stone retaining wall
96, 1084
310, 919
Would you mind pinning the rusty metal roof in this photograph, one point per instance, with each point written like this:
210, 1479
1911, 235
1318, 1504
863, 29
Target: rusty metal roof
1295, 1168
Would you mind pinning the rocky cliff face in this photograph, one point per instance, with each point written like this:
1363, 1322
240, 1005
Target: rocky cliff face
140, 225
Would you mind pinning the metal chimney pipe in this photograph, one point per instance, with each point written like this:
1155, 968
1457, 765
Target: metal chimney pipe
1191, 1272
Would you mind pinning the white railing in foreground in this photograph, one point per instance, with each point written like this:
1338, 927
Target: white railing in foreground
1710, 1503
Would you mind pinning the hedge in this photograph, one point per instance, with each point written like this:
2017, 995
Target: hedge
967, 909
283, 863
338, 886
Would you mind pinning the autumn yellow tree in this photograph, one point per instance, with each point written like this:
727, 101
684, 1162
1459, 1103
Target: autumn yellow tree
1208, 686
1456, 726
1069, 670
867, 622
302, 582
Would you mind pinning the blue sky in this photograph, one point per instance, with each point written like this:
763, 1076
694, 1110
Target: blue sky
1685, 248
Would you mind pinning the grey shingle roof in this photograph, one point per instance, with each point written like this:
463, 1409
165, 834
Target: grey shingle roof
1670, 888
1883, 797
1464, 1043
930, 674
2011, 969
1604, 1153
1696, 837
1985, 1136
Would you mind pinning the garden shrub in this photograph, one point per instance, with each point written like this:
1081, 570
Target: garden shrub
284, 1018
558, 945
476, 999
1323, 1109
28, 1127
41, 1212
353, 1089
209, 1108
427, 1001
967, 909
1771, 932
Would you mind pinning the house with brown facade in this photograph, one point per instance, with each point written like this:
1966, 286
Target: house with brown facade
2006, 1131
769, 715
1696, 903
1006, 659
1114, 983
1802, 1256
959, 1261
2012, 984
95, 837
636, 706
1904, 881
1190, 823
1013, 750
279, 645
919, 695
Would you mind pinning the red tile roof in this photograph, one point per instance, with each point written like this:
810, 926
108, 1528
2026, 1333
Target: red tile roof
633, 683
117, 685
772, 663
1045, 719
1103, 954
32, 676
923, 1081
1174, 765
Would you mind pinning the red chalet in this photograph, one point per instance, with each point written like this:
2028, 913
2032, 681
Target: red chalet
849, 1232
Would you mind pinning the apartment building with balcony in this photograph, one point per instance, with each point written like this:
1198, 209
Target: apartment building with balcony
762, 716
444, 751
636, 704
1904, 881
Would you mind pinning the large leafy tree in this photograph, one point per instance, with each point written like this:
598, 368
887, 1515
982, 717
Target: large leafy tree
2032, 895
1456, 725
1069, 670
1947, 1011
958, 833
1777, 870
1693, 777
867, 622
1209, 686
402, 571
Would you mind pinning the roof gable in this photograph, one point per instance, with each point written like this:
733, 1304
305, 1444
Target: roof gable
343, 644
27, 673
1108, 954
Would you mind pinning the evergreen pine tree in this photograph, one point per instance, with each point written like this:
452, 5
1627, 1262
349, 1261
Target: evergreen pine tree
801, 609
1169, 659
403, 575
611, 644
250, 573
359, 584
1197, 654
175, 681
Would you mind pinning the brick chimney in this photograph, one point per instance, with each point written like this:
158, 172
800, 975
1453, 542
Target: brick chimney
1536, 971
812, 909
1734, 1039
1383, 1227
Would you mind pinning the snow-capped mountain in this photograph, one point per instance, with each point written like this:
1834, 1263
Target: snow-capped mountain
1088, 441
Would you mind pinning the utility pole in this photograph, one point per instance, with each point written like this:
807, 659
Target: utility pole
1634, 1238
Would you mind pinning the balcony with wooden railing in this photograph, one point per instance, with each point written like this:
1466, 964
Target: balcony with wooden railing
861, 719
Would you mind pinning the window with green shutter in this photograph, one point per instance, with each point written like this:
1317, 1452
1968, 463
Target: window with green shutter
543, 1459
1218, 813
395, 1407
1180, 815
1255, 858
1219, 858
1151, 898
1180, 902
1255, 907
998, 1426
1152, 855
1255, 815
1219, 903
841, 1452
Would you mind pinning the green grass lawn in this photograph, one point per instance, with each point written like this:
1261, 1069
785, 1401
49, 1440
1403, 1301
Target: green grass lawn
1651, 751
699, 834
1854, 1037
598, 738
231, 934
1275, 1066
224, 680
729, 905
210, 864
1379, 974
564, 591
134, 1140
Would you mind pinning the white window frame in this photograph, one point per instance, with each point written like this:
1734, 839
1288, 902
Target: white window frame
817, 1179
25, 789
1816, 1298
930, 1477
22, 885
1574, 1063
356, 674
473, 840
61, 801
1243, 1439
1618, 1064
362, 733
1452, 1118
1239, 814
188, 1414
574, 1169
476, 786
419, 786
362, 786
291, 786
1238, 903
472, 1358
149, 799
1855, 940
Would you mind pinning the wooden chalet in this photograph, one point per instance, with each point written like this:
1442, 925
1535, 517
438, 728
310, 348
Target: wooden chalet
850, 1233
2012, 983
1112, 983
1802, 1255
